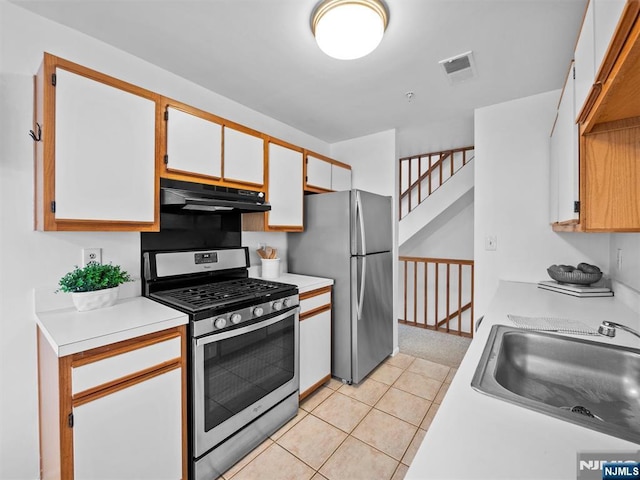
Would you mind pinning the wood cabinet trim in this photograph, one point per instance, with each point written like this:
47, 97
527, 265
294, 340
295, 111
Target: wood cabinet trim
56, 402
314, 387
315, 293
127, 381
283, 143
567, 226
319, 156
315, 311
125, 346
45, 155
617, 99
629, 14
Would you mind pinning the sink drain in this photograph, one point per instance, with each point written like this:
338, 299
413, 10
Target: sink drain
582, 411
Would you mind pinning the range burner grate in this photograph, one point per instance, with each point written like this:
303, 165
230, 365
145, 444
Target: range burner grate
218, 294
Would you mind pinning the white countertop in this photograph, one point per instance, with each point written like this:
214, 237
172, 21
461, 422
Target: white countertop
304, 283
474, 436
69, 331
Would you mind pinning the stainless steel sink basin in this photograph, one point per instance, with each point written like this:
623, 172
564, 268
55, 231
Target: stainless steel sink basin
592, 384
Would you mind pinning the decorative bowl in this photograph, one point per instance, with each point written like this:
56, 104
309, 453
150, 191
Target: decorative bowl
576, 277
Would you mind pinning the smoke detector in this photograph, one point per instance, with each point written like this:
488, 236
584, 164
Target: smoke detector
459, 68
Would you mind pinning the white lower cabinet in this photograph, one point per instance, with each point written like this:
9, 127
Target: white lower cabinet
315, 340
115, 412
140, 426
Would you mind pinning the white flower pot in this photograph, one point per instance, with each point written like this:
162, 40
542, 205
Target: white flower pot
85, 301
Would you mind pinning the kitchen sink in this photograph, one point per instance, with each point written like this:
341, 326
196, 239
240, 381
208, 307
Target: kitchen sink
592, 384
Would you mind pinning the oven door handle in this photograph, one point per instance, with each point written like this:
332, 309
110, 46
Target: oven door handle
216, 337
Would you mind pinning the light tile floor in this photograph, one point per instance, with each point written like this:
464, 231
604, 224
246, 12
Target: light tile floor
369, 431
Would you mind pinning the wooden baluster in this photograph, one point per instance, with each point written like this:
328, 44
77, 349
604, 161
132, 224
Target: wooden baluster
459, 298
437, 295
426, 295
451, 158
447, 296
415, 293
472, 282
405, 291
419, 182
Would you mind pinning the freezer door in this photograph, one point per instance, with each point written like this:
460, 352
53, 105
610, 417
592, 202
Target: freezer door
371, 313
371, 229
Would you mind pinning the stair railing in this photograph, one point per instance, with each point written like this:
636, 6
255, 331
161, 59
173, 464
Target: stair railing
438, 294
421, 175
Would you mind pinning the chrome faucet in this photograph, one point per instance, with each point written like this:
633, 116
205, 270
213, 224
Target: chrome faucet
609, 329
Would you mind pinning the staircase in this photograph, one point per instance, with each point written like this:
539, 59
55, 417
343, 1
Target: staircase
430, 184
437, 293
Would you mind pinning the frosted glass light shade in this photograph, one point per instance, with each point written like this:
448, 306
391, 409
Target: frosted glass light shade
349, 29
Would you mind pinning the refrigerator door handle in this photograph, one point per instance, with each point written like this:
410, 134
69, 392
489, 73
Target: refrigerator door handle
360, 221
363, 279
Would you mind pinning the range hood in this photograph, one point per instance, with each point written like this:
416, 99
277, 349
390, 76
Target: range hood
179, 196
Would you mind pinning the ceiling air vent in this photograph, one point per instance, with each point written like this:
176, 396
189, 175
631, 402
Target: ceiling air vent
459, 68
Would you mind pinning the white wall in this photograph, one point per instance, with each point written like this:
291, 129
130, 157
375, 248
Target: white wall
373, 161
512, 199
627, 278
435, 137
375, 169
449, 237
30, 259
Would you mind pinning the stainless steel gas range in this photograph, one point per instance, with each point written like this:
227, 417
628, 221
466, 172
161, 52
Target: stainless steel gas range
243, 365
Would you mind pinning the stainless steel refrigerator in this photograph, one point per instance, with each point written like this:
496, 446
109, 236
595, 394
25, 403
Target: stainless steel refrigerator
348, 237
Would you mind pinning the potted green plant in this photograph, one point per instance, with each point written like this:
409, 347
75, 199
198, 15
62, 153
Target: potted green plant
94, 286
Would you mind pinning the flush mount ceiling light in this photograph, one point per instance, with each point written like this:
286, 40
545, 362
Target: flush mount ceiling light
349, 29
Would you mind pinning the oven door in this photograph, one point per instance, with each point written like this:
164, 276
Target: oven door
240, 374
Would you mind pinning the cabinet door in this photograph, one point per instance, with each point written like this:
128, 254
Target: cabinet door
585, 59
134, 433
318, 173
606, 16
315, 349
243, 157
194, 144
340, 178
564, 156
285, 187
104, 152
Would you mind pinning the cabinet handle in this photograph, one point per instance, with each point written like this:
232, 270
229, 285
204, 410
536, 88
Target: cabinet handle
70, 420
37, 137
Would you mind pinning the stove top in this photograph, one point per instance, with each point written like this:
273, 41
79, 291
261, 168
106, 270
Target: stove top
217, 295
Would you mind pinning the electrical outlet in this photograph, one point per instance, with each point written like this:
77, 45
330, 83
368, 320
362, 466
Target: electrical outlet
490, 242
91, 255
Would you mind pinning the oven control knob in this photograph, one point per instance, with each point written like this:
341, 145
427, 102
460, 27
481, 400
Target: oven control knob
286, 302
236, 318
277, 306
258, 311
220, 322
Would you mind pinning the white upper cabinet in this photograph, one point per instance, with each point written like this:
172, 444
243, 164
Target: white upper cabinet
600, 21
606, 16
584, 58
564, 158
194, 144
324, 174
104, 151
318, 173
340, 178
285, 187
243, 157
